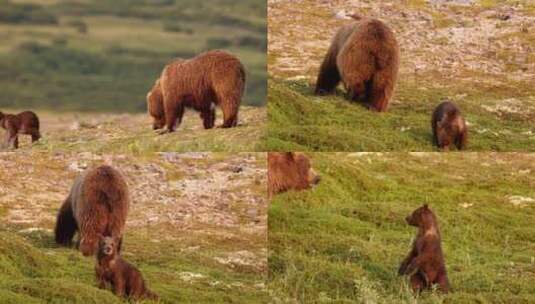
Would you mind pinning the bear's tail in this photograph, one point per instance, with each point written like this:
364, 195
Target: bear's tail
66, 224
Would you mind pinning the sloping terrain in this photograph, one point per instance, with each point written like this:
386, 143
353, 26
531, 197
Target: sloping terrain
197, 227
343, 241
132, 133
478, 54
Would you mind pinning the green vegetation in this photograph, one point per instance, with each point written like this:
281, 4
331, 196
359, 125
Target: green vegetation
132, 133
34, 270
189, 249
300, 121
342, 241
105, 55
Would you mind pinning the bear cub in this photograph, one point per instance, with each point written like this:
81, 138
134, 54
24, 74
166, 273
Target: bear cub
25, 122
125, 280
449, 126
425, 263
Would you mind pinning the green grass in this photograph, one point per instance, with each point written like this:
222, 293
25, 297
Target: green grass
342, 241
35, 270
300, 121
180, 249
105, 55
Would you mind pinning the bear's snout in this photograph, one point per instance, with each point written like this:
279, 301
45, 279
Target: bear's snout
409, 221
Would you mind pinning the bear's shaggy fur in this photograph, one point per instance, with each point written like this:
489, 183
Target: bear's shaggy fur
97, 205
25, 122
289, 171
425, 262
155, 106
449, 127
364, 55
211, 78
124, 279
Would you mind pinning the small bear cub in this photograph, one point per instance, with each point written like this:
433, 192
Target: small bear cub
125, 280
449, 127
25, 122
425, 263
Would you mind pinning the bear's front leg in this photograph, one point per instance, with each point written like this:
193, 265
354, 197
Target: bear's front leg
99, 274
403, 267
119, 285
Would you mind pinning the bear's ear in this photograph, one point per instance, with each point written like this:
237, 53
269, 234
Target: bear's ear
425, 206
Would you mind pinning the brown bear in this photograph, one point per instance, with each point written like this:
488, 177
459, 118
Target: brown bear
289, 171
124, 279
97, 204
448, 126
425, 262
213, 78
25, 122
364, 55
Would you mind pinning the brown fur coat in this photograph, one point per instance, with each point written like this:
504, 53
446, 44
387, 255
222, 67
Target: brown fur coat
97, 205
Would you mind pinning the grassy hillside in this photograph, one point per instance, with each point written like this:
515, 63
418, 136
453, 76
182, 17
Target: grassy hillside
343, 241
300, 121
475, 53
132, 133
105, 55
196, 228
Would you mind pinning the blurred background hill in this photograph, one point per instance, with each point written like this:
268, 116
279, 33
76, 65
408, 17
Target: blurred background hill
89, 55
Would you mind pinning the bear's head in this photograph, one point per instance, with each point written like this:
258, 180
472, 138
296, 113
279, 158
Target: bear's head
155, 106
107, 246
290, 170
422, 217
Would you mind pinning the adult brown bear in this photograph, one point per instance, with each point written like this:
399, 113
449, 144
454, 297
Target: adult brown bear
289, 171
425, 262
97, 205
449, 127
364, 55
214, 78
25, 122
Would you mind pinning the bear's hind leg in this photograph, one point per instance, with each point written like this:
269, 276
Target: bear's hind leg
443, 283
417, 282
66, 224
